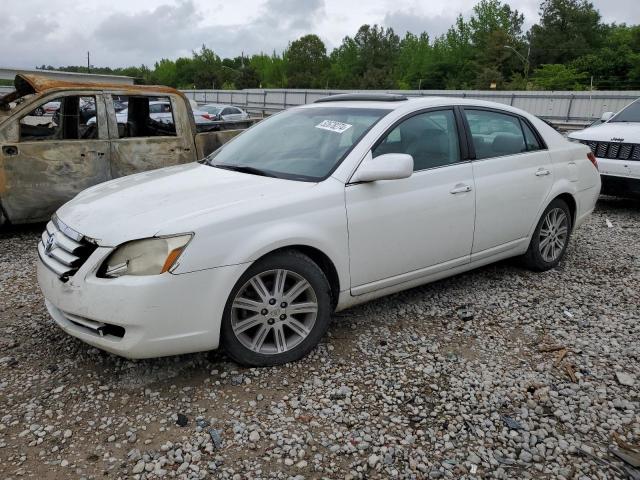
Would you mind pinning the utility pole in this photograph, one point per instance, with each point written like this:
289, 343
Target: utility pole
525, 61
88, 63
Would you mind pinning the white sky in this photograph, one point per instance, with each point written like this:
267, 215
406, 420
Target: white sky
128, 32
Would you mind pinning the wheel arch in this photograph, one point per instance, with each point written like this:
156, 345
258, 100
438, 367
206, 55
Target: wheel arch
571, 203
319, 258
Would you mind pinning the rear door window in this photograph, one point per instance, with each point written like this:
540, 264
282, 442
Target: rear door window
146, 117
532, 141
495, 134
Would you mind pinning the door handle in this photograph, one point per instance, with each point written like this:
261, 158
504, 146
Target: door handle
10, 150
541, 172
460, 188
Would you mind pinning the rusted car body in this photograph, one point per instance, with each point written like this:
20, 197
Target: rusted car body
47, 160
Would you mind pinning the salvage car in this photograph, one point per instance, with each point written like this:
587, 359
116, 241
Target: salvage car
314, 210
615, 141
46, 160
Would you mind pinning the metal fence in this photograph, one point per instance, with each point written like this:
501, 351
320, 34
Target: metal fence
559, 107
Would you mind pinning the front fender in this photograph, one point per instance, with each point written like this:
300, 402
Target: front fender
318, 220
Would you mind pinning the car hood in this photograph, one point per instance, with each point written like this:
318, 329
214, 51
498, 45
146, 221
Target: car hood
167, 200
625, 132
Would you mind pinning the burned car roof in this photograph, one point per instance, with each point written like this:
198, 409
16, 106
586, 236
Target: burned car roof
28, 84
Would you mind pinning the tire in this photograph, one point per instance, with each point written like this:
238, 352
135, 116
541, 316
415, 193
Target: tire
38, 112
282, 324
544, 253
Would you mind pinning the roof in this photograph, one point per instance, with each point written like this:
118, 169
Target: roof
27, 84
41, 84
7, 73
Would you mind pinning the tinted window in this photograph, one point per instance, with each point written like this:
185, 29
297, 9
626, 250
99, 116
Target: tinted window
495, 134
146, 117
301, 144
530, 138
65, 118
431, 138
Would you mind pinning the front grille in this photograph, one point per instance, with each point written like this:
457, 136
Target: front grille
63, 250
614, 150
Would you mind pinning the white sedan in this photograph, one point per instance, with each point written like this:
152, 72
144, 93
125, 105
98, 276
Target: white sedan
311, 211
226, 113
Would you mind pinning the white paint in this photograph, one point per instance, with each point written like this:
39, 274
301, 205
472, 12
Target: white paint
382, 236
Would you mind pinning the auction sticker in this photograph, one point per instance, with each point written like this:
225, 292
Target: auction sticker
334, 126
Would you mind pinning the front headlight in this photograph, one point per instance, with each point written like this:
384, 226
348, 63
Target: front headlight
151, 256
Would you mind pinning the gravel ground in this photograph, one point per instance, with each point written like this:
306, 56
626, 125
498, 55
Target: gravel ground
498, 373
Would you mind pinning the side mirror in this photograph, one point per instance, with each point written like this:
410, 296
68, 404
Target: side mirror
606, 116
390, 166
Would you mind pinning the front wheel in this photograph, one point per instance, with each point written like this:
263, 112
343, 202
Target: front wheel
277, 312
550, 238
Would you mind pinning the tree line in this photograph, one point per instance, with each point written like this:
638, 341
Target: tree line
570, 48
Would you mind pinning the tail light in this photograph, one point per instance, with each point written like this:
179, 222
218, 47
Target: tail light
207, 116
593, 159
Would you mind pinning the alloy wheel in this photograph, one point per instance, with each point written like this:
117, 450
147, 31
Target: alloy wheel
553, 235
274, 311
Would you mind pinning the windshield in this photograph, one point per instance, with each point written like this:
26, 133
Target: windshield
301, 144
629, 114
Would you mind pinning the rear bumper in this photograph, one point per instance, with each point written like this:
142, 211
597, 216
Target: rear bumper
140, 317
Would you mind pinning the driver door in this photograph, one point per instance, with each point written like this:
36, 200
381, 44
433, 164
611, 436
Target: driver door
402, 230
53, 157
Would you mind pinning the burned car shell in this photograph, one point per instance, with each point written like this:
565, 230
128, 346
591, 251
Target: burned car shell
37, 176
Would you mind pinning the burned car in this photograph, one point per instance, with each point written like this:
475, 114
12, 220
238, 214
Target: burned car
45, 160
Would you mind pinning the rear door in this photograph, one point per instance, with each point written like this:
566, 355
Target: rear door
147, 138
55, 156
513, 176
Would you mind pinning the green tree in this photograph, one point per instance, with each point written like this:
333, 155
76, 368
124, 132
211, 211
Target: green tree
306, 63
559, 77
165, 73
367, 60
567, 30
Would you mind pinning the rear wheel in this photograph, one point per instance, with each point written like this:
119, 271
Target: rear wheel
278, 311
550, 238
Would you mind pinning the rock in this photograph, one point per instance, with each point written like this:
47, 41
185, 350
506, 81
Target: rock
254, 436
182, 420
525, 456
215, 437
625, 379
138, 467
373, 460
473, 458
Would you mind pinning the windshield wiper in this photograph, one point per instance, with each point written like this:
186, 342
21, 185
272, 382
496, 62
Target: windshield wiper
244, 169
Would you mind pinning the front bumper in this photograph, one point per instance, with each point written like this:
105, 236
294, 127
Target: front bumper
620, 177
145, 316
620, 186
